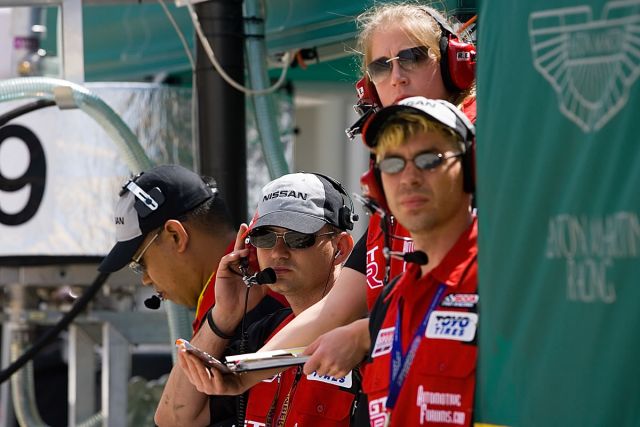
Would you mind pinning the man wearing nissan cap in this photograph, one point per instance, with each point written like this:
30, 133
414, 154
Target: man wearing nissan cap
172, 228
422, 348
300, 230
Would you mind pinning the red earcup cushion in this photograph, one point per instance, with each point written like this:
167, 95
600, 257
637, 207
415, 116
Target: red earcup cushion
461, 61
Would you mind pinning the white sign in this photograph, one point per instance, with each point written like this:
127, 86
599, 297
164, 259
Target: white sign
60, 172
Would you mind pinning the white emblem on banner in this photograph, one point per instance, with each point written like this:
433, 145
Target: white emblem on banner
591, 64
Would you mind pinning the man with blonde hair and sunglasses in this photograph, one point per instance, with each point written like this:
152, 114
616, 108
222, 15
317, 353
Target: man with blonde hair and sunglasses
421, 366
300, 231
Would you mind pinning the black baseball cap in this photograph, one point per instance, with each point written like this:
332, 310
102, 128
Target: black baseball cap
146, 202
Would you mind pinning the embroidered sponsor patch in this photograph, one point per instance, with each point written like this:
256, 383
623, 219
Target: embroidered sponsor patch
345, 381
437, 407
460, 300
383, 343
452, 325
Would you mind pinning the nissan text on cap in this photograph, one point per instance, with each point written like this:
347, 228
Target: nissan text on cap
302, 202
157, 195
437, 110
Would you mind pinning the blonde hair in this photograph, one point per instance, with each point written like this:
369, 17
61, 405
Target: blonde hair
404, 125
418, 24
412, 18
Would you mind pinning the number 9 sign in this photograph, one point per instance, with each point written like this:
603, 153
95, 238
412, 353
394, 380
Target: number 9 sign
33, 177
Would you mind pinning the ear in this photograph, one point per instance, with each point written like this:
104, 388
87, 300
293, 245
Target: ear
178, 234
344, 245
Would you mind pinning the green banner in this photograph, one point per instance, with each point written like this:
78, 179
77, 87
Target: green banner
558, 164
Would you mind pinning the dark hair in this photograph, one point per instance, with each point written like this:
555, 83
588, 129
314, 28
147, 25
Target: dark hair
212, 214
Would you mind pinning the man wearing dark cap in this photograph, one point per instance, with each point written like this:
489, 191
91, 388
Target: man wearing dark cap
300, 230
172, 228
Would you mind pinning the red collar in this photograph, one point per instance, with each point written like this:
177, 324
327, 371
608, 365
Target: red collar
455, 262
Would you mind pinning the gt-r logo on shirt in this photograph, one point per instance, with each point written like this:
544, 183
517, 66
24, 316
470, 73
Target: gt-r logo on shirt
460, 300
383, 342
452, 325
378, 413
373, 270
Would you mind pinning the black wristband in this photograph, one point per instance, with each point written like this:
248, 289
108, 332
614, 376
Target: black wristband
215, 328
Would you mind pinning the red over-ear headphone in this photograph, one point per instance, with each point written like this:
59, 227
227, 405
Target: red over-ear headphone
371, 184
457, 58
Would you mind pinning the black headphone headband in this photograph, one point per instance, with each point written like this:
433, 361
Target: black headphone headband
346, 216
442, 23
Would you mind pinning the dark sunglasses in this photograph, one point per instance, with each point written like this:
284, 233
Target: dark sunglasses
266, 239
424, 161
408, 60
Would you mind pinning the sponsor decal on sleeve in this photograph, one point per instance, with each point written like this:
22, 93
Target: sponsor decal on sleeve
460, 300
383, 342
452, 325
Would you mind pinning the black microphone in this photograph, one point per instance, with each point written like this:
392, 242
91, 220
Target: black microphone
266, 276
416, 257
153, 302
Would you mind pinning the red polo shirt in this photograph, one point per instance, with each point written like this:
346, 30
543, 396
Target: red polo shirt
439, 387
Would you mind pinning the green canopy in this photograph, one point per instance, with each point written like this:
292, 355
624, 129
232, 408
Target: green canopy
133, 41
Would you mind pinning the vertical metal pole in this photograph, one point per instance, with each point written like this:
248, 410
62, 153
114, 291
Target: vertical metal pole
6, 406
116, 369
82, 368
221, 108
71, 41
